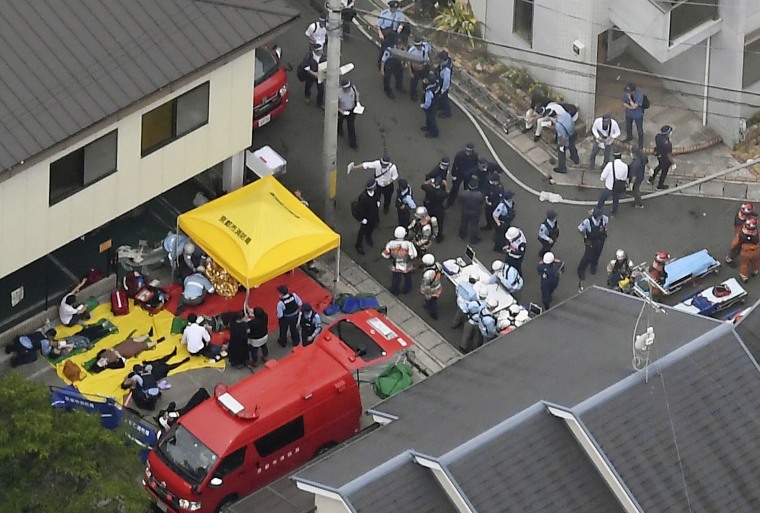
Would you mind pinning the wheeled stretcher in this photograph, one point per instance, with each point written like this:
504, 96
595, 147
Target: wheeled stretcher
680, 271
714, 299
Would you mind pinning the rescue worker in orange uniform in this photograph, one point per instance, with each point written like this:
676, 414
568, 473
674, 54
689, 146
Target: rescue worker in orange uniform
746, 246
658, 273
746, 211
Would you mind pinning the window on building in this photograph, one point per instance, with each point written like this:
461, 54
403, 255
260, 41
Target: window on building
82, 167
174, 119
751, 73
280, 437
522, 24
686, 15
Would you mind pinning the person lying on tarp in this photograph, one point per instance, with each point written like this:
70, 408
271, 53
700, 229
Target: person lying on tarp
83, 339
25, 347
116, 357
148, 379
166, 418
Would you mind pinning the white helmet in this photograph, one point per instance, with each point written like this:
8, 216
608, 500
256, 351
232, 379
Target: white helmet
399, 232
497, 265
474, 277
482, 292
620, 254
420, 212
548, 257
513, 232
189, 248
428, 259
491, 303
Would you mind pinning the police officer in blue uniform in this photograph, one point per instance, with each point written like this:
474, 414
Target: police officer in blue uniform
392, 67
594, 232
310, 323
429, 106
287, 316
444, 75
391, 22
419, 65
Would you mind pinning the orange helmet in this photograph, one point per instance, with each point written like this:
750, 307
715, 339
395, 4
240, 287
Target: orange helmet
747, 208
751, 223
661, 257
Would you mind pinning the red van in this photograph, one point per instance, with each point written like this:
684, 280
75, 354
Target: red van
272, 422
270, 85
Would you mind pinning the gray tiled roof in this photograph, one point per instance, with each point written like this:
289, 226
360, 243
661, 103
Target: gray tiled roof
688, 439
535, 466
408, 488
555, 358
67, 64
749, 330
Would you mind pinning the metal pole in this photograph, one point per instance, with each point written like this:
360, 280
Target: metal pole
707, 79
330, 142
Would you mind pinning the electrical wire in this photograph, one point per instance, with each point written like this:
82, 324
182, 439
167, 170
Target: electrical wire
497, 44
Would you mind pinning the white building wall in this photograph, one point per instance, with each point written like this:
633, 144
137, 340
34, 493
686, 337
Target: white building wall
29, 228
556, 25
328, 505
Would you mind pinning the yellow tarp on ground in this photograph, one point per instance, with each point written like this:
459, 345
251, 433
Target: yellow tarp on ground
107, 383
258, 232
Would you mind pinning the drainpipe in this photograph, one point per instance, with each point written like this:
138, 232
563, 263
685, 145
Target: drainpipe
707, 77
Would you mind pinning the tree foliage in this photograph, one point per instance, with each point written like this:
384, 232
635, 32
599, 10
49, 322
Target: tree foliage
458, 18
56, 461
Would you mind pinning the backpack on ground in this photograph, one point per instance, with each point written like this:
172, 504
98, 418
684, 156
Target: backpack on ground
119, 302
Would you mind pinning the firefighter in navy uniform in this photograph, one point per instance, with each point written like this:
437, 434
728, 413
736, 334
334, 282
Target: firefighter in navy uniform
405, 203
493, 193
440, 170
464, 165
310, 324
549, 269
436, 194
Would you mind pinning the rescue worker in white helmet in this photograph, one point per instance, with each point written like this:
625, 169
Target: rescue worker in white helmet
431, 286
401, 253
619, 271
507, 275
422, 230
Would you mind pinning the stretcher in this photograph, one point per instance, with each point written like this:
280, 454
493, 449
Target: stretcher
712, 300
680, 271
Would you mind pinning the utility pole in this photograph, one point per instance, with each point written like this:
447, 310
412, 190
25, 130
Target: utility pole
330, 142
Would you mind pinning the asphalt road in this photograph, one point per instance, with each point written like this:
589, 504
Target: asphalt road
677, 224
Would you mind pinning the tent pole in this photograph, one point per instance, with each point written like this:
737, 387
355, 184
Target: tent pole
245, 303
337, 266
173, 257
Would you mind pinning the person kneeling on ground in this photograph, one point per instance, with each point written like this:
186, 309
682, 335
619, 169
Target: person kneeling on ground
116, 357
70, 311
197, 338
196, 287
26, 346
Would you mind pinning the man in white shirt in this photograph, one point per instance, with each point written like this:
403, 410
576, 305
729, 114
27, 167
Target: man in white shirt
615, 178
70, 311
197, 338
605, 130
385, 173
316, 32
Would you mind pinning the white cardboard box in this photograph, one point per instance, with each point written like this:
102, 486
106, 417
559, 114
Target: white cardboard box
265, 161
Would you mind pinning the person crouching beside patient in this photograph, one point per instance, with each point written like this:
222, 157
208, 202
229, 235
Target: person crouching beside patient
25, 347
70, 310
197, 338
195, 289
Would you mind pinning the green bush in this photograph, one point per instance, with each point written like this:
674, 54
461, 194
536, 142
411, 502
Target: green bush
458, 18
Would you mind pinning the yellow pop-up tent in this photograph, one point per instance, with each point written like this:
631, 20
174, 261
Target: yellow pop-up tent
259, 232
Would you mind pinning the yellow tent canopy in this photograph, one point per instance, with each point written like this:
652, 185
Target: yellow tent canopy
258, 232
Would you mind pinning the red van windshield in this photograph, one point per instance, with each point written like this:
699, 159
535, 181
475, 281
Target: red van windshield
266, 65
186, 455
